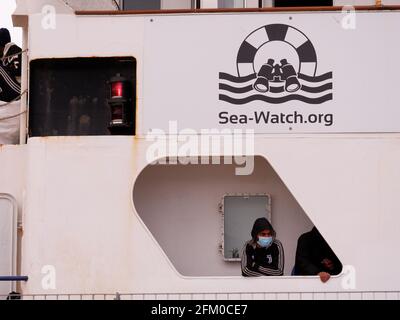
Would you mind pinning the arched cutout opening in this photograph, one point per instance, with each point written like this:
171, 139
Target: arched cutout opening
179, 205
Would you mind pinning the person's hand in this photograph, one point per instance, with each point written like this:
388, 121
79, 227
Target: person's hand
324, 276
328, 264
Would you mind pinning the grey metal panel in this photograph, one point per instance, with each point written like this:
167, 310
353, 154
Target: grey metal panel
177, 4
230, 3
142, 4
91, 5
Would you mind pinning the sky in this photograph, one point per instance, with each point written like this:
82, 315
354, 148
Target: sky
7, 7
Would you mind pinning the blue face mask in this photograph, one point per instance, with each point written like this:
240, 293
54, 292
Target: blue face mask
265, 241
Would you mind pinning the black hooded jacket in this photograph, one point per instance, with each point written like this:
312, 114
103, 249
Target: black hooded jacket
257, 261
10, 89
12, 60
10, 68
312, 249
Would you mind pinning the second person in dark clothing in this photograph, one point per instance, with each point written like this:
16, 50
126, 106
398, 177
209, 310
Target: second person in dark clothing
262, 255
315, 257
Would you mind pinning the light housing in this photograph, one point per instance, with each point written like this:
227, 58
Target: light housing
120, 105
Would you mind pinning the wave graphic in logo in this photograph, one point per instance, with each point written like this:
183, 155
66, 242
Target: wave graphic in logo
276, 64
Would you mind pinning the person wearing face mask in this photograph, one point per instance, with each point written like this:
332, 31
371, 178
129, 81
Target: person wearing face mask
263, 255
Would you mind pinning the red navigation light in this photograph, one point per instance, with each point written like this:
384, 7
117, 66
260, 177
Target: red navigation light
117, 89
120, 100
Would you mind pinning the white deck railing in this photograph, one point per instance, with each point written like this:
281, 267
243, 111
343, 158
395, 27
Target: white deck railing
351, 295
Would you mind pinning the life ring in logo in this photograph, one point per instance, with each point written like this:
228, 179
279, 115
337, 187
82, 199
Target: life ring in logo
304, 48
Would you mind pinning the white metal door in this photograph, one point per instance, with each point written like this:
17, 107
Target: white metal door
8, 241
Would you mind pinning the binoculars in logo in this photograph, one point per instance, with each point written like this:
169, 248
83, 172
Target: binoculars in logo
277, 73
